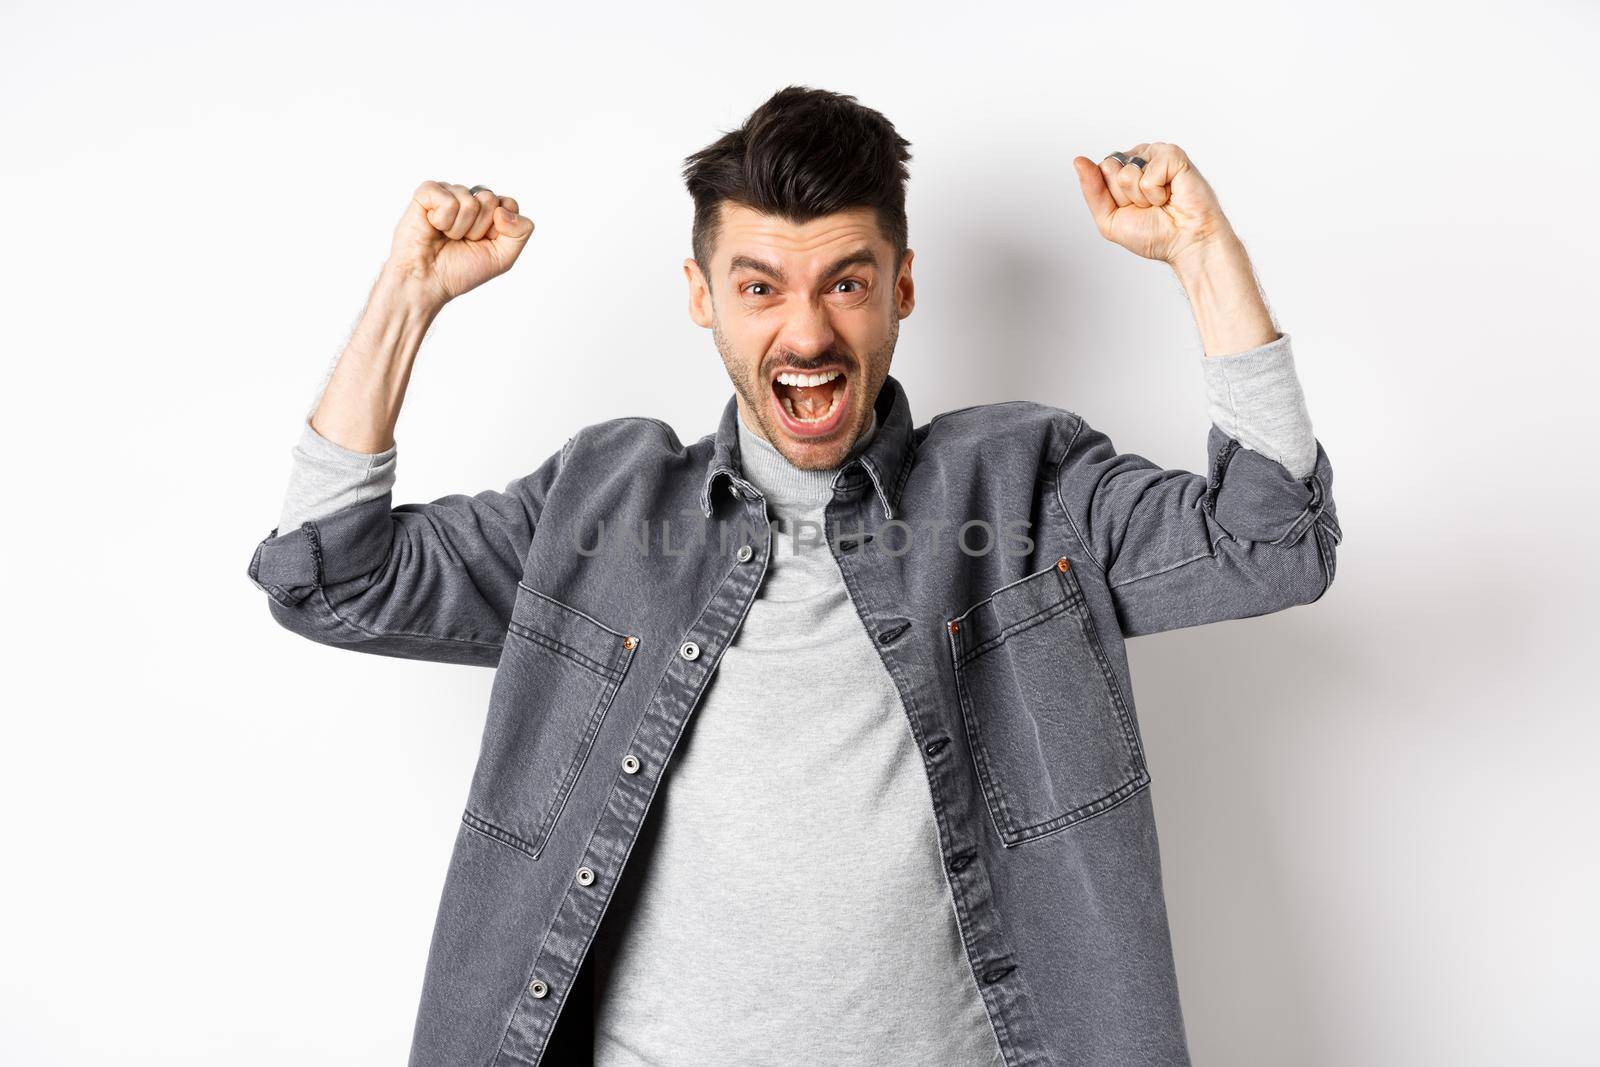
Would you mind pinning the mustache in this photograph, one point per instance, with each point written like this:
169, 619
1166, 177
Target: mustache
805, 364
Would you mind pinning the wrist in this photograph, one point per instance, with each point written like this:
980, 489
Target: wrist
401, 284
1219, 250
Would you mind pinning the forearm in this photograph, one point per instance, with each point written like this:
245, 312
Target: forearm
1227, 303
345, 453
361, 399
1254, 392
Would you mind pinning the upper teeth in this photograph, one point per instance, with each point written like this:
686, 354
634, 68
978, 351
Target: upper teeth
790, 378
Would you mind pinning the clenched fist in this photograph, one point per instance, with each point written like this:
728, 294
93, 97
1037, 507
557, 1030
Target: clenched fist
1162, 211
452, 239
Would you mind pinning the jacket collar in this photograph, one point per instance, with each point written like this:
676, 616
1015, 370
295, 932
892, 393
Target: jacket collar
886, 460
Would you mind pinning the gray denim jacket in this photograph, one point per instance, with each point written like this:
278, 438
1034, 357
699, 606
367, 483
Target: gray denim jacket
999, 555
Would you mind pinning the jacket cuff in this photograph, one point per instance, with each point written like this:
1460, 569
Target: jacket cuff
1256, 498
321, 552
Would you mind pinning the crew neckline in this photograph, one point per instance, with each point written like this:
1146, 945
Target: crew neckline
787, 487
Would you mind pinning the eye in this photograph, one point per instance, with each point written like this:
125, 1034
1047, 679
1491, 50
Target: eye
753, 285
851, 281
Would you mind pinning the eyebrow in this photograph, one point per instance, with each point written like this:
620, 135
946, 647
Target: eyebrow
851, 259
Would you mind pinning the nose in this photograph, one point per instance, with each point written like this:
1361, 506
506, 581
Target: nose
807, 330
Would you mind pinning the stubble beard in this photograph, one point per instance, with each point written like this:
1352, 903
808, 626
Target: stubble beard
754, 391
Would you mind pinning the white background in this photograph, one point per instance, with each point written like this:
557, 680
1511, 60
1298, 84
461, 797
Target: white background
224, 844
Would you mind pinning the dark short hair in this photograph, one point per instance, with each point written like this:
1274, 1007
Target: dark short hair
803, 154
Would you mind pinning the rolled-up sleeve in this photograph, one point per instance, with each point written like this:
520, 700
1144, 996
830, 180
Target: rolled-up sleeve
325, 477
1255, 396
433, 581
1247, 536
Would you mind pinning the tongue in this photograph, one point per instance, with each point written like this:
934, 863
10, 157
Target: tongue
810, 401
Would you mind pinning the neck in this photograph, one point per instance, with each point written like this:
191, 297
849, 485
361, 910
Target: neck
787, 487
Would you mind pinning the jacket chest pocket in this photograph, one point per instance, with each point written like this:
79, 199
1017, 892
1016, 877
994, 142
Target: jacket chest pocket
1051, 735
558, 673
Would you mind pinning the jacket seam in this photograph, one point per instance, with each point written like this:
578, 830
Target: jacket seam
537, 637
993, 404
1325, 555
503, 838
1127, 792
278, 593
1309, 515
1164, 570
315, 541
1062, 503
365, 631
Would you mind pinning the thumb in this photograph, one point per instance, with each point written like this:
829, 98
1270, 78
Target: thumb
1093, 183
511, 229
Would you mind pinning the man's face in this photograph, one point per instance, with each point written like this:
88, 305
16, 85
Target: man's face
806, 318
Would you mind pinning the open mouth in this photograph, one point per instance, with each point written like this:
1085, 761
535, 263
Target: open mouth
810, 404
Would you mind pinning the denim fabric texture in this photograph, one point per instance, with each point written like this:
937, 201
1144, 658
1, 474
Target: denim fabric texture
1011, 665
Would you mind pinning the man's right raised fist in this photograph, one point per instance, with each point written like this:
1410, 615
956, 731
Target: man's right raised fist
453, 240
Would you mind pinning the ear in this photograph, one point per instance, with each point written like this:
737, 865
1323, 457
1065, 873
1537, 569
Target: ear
905, 290
700, 309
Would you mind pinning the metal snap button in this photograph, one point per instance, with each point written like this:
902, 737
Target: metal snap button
745, 552
630, 643
1061, 564
630, 764
538, 988
585, 876
689, 650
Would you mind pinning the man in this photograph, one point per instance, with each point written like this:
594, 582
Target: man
826, 715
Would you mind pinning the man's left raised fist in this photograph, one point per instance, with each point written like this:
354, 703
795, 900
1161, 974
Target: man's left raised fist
1161, 210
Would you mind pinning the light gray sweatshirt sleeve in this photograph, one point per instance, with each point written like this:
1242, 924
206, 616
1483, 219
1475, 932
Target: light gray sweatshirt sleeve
1255, 396
326, 477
